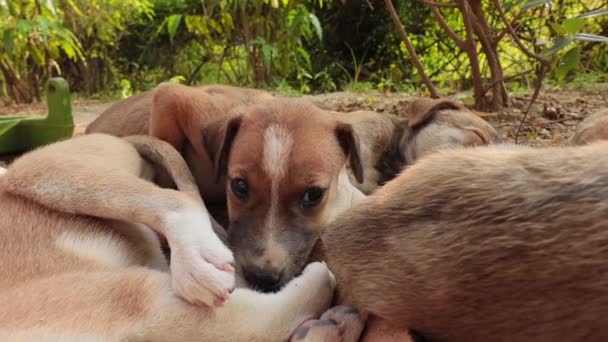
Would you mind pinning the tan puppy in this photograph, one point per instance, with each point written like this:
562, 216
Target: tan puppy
389, 143
593, 128
483, 244
281, 162
380, 137
80, 262
438, 124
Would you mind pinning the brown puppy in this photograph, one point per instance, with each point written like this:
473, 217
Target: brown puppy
176, 114
447, 251
593, 128
280, 161
389, 143
79, 261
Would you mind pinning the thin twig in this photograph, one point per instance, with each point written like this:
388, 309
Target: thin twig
444, 25
505, 79
440, 4
410, 48
539, 84
569, 118
516, 40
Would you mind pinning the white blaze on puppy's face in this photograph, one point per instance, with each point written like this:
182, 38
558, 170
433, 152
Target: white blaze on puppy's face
278, 144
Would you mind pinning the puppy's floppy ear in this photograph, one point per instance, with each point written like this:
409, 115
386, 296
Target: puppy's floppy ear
350, 145
171, 110
422, 110
218, 137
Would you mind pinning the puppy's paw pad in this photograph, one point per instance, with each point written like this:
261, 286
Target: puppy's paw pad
348, 317
318, 330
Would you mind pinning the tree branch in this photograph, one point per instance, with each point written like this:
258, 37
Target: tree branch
410, 48
513, 34
439, 4
444, 25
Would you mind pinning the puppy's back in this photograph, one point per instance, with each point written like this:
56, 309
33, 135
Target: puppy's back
593, 128
130, 116
483, 244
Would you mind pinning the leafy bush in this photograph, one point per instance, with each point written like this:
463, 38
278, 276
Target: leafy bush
117, 48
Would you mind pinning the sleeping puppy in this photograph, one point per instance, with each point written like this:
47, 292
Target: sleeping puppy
131, 116
79, 260
279, 164
593, 128
483, 244
438, 124
389, 143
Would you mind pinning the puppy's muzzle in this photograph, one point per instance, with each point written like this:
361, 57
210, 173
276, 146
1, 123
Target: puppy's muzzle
263, 279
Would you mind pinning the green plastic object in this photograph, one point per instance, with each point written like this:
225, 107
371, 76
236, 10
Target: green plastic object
24, 133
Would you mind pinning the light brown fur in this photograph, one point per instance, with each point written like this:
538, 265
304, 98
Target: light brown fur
80, 261
438, 124
593, 128
483, 244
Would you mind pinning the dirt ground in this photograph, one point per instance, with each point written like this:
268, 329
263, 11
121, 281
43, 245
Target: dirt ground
551, 121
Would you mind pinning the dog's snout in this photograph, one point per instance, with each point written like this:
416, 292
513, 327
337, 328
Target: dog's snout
263, 279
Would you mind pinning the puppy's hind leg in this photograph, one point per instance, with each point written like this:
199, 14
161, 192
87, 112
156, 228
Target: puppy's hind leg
97, 175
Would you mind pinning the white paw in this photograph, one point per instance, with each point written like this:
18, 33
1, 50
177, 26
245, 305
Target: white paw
202, 267
319, 270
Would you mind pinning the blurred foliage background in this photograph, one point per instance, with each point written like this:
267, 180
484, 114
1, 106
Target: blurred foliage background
113, 48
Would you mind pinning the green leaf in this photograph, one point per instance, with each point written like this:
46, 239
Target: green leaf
304, 54
573, 25
9, 41
590, 38
510, 5
267, 52
569, 61
558, 45
37, 56
69, 50
594, 13
559, 28
317, 25
534, 3
172, 25
24, 26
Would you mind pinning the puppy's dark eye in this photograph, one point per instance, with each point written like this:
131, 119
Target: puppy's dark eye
312, 196
239, 187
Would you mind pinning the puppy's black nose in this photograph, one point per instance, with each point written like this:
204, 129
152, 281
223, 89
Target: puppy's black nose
263, 279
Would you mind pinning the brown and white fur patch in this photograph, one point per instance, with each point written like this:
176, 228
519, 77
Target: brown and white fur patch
80, 260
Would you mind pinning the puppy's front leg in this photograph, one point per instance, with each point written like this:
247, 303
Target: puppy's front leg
97, 175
